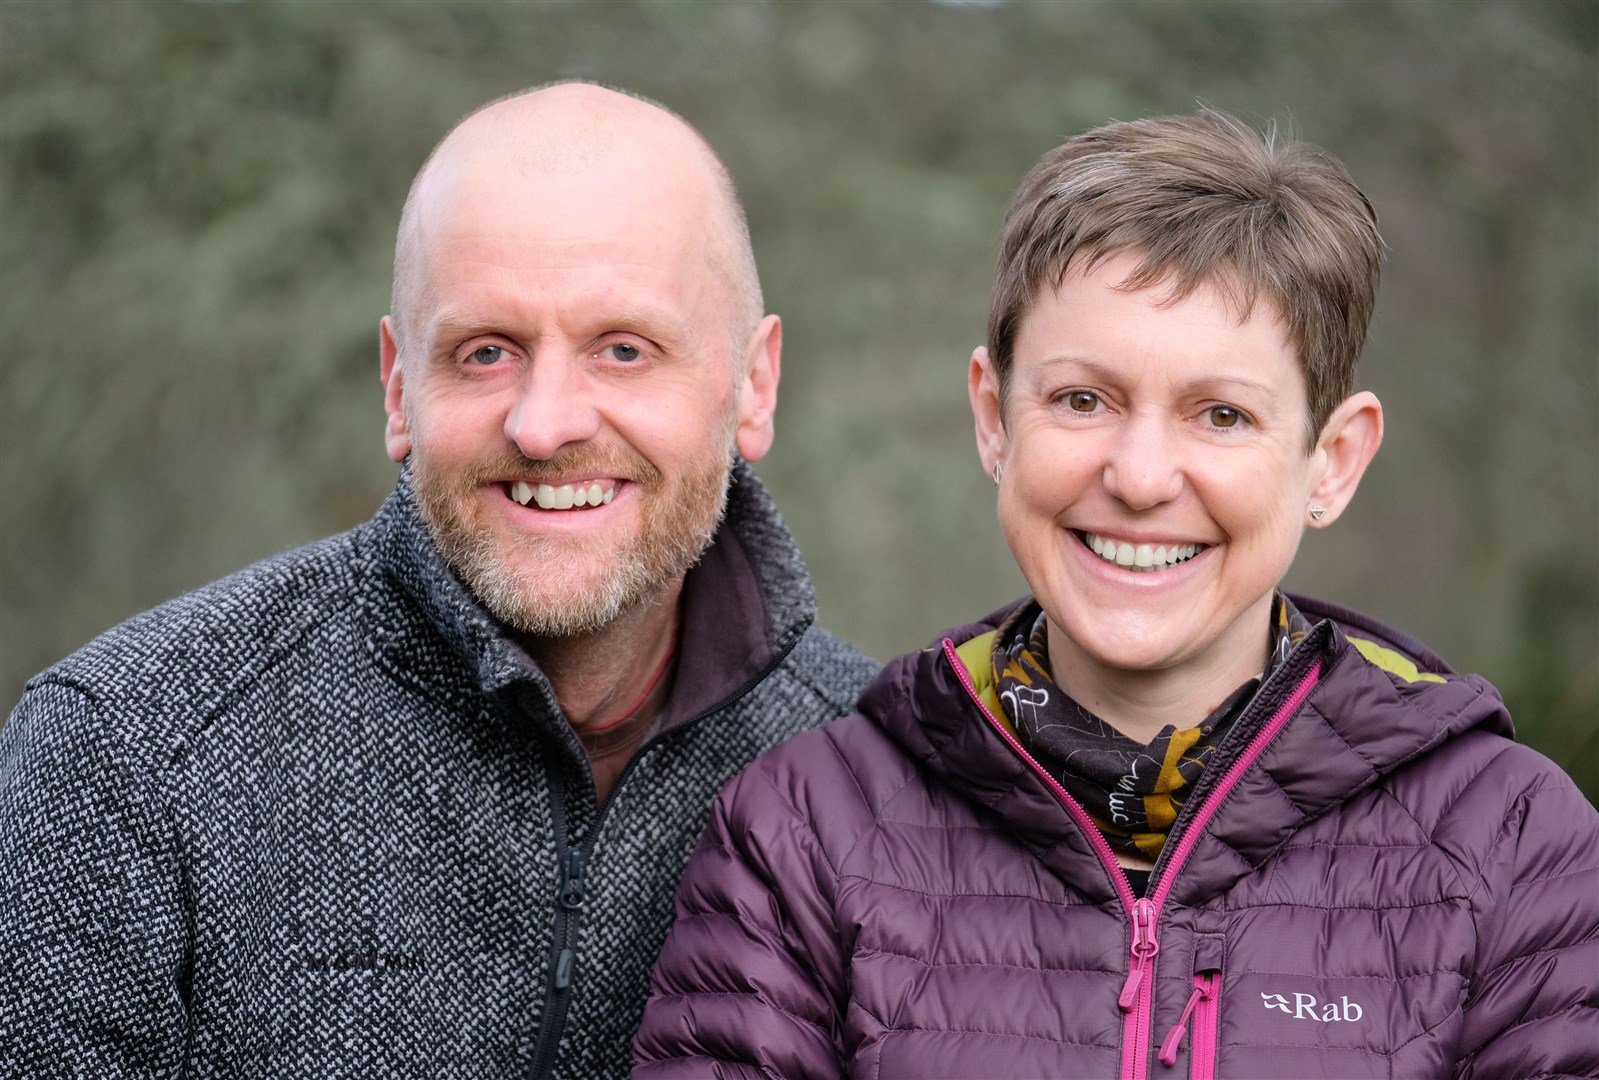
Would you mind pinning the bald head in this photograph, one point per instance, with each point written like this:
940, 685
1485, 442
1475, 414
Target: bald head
577, 136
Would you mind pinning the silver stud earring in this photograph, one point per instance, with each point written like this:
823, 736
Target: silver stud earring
1317, 511
999, 471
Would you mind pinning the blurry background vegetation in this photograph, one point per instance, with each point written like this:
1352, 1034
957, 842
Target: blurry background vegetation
197, 205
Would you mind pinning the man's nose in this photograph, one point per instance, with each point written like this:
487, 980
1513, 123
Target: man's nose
555, 407
1144, 468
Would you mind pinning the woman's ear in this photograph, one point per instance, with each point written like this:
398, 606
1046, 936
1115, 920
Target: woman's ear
1346, 445
982, 386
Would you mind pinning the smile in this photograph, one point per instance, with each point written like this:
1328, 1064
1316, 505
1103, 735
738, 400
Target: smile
1140, 558
565, 497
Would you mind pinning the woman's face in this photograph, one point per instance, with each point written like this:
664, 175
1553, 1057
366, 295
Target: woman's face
1156, 471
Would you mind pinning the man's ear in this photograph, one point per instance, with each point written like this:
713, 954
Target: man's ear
757, 396
397, 435
1348, 442
982, 386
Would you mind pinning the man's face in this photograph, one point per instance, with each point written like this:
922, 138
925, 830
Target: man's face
568, 389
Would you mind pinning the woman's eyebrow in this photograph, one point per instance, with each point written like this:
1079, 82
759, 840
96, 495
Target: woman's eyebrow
1107, 372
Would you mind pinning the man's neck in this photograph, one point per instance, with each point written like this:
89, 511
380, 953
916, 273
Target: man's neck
597, 676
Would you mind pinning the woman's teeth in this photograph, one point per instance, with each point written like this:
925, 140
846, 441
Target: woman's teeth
565, 497
1141, 557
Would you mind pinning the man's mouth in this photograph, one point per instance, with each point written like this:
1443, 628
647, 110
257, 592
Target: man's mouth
563, 497
1139, 558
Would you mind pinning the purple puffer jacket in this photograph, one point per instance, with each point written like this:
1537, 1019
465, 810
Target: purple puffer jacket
1371, 881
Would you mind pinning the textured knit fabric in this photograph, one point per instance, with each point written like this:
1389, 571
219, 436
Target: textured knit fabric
307, 821
1386, 886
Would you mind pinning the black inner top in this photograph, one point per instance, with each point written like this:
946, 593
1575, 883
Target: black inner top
1138, 879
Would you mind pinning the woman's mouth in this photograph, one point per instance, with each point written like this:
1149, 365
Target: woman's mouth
1139, 558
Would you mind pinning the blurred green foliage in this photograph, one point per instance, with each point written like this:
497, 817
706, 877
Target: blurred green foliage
197, 205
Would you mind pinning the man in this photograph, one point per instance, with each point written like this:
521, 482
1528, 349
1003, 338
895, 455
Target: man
413, 801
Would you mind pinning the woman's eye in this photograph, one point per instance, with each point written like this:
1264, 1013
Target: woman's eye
1224, 416
624, 352
1082, 401
485, 355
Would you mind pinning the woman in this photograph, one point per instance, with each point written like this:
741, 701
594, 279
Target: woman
1160, 819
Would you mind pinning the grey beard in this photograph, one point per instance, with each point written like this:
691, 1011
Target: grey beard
512, 593
529, 584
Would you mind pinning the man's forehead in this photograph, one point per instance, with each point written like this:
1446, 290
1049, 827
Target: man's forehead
529, 268
647, 194
570, 135
590, 246
568, 178
567, 206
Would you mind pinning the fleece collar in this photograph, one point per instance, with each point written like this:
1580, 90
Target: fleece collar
745, 604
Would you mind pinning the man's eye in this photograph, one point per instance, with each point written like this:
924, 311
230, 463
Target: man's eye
1082, 401
624, 352
486, 354
1224, 416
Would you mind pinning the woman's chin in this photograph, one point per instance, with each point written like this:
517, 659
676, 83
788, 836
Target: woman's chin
1141, 656
1159, 641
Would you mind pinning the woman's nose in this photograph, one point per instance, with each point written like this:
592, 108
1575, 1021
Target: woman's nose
1144, 468
555, 407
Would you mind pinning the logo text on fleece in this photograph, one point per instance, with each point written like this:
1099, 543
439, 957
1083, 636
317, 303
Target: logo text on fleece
1306, 1007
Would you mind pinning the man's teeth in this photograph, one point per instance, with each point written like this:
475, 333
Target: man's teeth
565, 497
1142, 557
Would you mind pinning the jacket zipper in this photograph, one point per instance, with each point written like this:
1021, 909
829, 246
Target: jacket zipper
1203, 1009
571, 856
1137, 995
1207, 1033
571, 889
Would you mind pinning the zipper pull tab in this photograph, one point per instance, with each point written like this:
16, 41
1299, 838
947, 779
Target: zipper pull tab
1135, 979
1143, 952
565, 964
570, 893
1204, 987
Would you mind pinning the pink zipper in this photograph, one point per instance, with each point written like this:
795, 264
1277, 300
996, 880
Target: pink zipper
1138, 992
1137, 996
1207, 1033
1202, 1008
1144, 949
1235, 772
1096, 839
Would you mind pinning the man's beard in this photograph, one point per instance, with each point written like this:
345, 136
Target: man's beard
537, 585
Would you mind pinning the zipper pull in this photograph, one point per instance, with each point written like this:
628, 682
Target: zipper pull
1204, 988
565, 965
1144, 949
570, 893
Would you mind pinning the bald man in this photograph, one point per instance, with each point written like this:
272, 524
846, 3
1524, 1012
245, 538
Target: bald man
413, 801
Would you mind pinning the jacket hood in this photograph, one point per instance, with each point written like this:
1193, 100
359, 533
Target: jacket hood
1382, 700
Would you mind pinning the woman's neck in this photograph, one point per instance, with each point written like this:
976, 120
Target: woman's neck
1139, 703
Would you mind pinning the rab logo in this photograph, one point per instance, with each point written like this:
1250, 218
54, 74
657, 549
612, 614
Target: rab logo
1306, 1007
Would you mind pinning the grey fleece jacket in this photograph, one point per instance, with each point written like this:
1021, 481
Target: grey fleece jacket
323, 818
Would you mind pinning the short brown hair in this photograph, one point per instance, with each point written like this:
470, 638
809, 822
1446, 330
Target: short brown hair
1206, 199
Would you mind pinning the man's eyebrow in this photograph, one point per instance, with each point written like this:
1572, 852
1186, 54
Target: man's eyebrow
647, 321
644, 320
453, 322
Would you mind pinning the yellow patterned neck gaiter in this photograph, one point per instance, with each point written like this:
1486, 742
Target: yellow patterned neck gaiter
1133, 792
